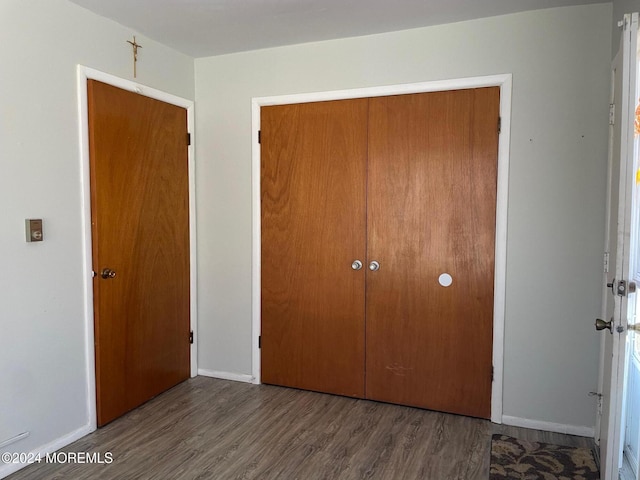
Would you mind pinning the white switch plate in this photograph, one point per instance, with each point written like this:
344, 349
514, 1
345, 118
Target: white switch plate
34, 229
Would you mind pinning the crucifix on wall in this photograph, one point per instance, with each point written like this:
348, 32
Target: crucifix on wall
135, 45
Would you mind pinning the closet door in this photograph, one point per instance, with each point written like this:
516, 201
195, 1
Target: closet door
431, 211
313, 180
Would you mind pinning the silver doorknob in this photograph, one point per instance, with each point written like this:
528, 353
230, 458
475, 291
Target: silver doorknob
107, 273
374, 266
601, 324
356, 265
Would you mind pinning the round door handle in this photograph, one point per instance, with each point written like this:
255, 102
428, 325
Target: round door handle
601, 324
356, 265
374, 266
107, 273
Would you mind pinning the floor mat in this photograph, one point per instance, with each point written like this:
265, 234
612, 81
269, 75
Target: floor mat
513, 459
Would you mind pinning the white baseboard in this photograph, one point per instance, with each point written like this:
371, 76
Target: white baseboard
57, 444
236, 377
549, 426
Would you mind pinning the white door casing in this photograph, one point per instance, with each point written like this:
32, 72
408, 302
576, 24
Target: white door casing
83, 74
504, 81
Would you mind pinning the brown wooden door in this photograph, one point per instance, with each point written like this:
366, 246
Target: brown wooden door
313, 179
431, 210
140, 230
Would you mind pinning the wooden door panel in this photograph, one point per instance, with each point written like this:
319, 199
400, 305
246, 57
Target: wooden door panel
431, 210
140, 229
313, 180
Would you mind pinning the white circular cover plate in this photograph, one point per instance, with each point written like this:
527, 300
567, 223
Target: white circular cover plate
445, 280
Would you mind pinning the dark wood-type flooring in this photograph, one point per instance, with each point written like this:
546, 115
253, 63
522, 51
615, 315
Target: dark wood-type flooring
215, 429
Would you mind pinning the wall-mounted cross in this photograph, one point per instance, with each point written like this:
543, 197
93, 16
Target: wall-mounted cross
135, 47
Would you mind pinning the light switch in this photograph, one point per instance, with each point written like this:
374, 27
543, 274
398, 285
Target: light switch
34, 229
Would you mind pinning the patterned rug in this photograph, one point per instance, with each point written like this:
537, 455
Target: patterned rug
513, 459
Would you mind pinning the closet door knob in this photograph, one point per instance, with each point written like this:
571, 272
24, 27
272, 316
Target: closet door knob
356, 265
374, 266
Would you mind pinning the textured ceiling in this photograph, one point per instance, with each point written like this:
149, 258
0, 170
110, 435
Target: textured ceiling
203, 28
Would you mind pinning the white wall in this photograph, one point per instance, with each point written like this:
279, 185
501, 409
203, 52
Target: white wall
42, 328
560, 64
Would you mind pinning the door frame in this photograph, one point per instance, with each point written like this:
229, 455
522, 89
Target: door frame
84, 74
504, 81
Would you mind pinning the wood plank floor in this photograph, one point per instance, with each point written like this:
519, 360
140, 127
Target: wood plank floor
215, 429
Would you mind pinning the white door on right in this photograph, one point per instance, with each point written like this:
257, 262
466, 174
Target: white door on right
619, 297
631, 384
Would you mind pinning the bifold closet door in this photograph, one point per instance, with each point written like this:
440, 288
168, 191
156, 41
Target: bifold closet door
431, 213
313, 181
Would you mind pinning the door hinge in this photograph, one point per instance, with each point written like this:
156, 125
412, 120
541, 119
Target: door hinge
606, 262
499, 125
188, 139
612, 113
191, 337
259, 136
259, 341
492, 369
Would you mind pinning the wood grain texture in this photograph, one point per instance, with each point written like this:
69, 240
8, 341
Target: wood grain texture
215, 429
140, 229
431, 210
313, 227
